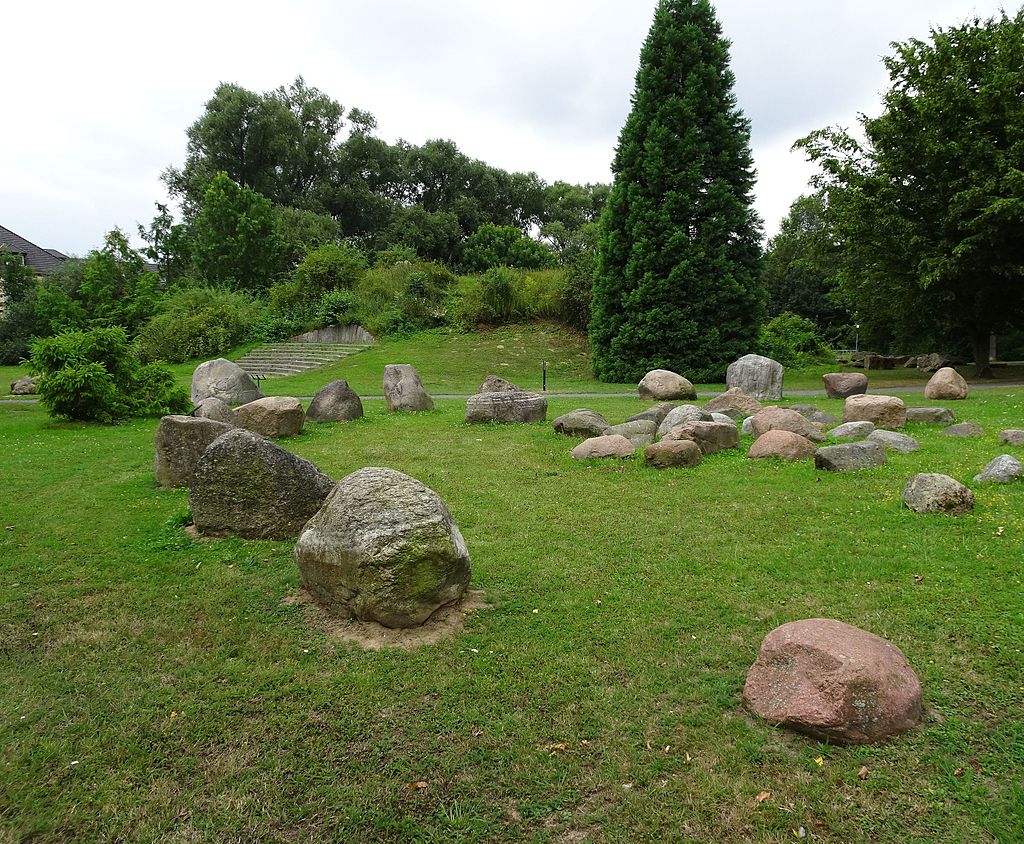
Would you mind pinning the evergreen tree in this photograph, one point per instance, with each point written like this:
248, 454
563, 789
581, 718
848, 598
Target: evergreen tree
677, 277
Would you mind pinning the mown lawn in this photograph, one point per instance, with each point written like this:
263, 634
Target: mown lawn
156, 688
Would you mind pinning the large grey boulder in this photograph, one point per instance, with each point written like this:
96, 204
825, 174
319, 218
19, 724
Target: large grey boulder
834, 682
1012, 436
27, 385
711, 437
335, 402
931, 415
841, 385
850, 457
895, 441
784, 419
403, 390
673, 454
274, 416
931, 362
964, 429
246, 486
931, 492
613, 445
680, 415
783, 444
947, 383
506, 408
665, 385
180, 442
1004, 469
383, 548
581, 422
640, 432
852, 431
224, 380
723, 417
757, 376
215, 409
734, 403
881, 411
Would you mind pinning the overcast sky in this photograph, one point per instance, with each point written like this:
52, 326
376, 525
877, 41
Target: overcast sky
100, 93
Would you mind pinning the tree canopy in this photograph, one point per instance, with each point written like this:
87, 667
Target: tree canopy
929, 207
677, 283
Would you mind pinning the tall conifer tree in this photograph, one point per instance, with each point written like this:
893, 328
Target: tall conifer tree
677, 284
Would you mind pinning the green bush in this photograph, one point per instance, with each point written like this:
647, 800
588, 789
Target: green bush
331, 266
199, 322
504, 246
503, 295
405, 297
95, 376
792, 340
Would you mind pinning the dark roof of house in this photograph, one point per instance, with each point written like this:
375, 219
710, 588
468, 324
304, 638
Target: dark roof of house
40, 260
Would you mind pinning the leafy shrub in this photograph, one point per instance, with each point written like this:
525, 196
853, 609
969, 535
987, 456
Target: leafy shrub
792, 340
405, 297
199, 322
503, 295
96, 376
331, 266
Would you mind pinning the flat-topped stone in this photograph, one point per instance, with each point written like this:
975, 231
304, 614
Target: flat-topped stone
895, 441
734, 403
673, 454
964, 429
931, 415
604, 446
850, 457
932, 492
180, 442
640, 432
881, 411
852, 431
274, 416
508, 407
784, 419
710, 437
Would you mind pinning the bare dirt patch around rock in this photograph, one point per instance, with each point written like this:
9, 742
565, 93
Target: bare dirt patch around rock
368, 635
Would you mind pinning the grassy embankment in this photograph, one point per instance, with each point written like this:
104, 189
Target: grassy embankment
452, 362
155, 688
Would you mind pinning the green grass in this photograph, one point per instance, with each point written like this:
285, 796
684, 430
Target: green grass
154, 688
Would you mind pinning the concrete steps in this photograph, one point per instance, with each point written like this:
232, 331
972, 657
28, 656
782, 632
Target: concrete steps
291, 358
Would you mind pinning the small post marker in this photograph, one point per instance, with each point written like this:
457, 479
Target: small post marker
544, 375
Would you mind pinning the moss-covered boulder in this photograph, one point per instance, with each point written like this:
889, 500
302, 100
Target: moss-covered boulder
246, 486
383, 548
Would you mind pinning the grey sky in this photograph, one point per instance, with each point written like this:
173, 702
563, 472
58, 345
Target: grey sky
100, 101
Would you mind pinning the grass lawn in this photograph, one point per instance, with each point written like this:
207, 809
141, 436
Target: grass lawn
156, 688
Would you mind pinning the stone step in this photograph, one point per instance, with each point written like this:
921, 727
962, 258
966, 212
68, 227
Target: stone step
280, 359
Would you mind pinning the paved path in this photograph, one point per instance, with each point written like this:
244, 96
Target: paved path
919, 388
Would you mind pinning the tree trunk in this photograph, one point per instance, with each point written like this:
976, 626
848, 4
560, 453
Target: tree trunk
980, 343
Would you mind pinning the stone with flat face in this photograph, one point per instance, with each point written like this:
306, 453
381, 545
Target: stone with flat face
931, 415
1004, 469
180, 442
895, 441
640, 432
216, 409
613, 445
850, 457
274, 416
681, 414
735, 403
964, 429
403, 390
833, 682
244, 485
710, 437
507, 407
383, 548
757, 376
852, 431
1012, 436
